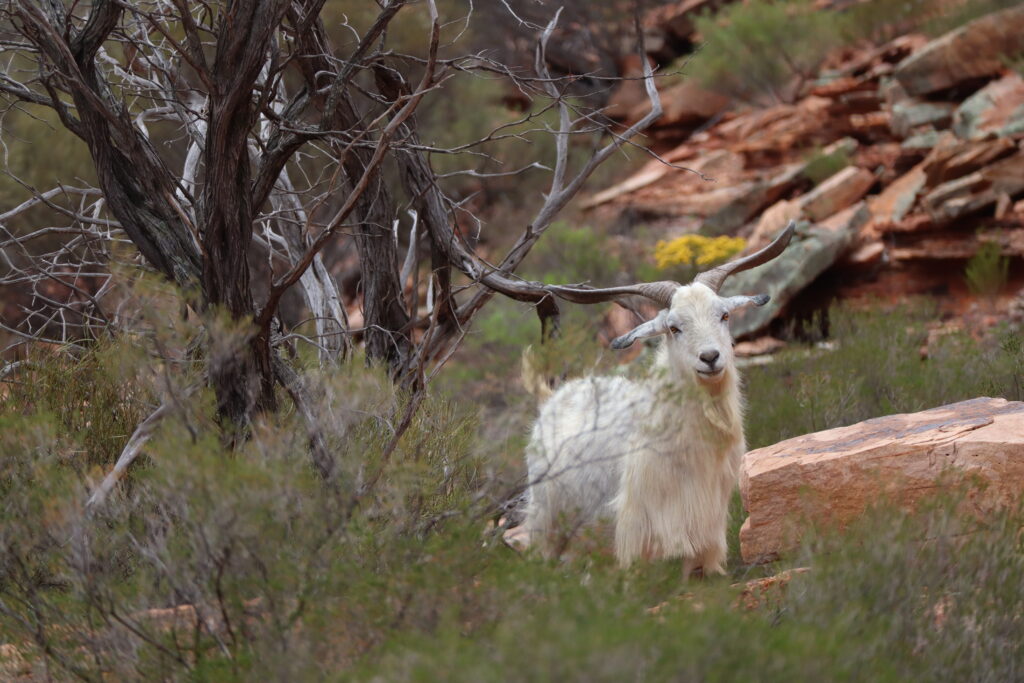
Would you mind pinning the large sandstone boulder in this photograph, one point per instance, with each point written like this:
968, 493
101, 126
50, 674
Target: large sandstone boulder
833, 476
974, 50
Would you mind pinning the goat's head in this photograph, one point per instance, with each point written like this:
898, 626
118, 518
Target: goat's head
697, 325
694, 316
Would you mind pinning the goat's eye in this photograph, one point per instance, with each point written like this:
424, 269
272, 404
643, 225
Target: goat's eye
725, 316
673, 329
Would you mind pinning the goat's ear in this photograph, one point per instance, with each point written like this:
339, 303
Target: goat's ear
651, 328
734, 302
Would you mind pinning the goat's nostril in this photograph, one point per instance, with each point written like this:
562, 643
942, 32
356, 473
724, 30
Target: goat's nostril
709, 357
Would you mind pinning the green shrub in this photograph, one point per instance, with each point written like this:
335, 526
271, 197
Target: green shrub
951, 15
95, 396
987, 271
574, 254
820, 165
760, 50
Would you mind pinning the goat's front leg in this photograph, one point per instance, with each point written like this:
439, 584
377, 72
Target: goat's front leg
713, 560
633, 534
689, 564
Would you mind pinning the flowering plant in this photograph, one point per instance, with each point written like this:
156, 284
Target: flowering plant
696, 250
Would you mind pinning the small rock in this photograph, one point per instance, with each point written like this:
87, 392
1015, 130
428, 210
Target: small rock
13, 665
996, 109
868, 254
954, 189
974, 156
896, 200
774, 219
836, 193
683, 104
910, 114
630, 91
872, 122
771, 589
924, 140
1003, 206
762, 346
755, 198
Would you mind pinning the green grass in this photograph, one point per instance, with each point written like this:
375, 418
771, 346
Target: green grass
875, 369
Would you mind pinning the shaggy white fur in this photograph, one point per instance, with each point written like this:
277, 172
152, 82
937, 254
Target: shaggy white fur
659, 456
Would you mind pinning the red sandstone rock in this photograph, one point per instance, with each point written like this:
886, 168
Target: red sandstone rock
899, 198
836, 193
683, 104
833, 476
996, 109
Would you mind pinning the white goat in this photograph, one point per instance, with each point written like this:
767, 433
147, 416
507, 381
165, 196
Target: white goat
659, 456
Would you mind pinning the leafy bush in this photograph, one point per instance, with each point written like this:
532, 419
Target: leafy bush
95, 397
988, 270
883, 20
697, 250
948, 15
821, 165
569, 254
762, 50
683, 257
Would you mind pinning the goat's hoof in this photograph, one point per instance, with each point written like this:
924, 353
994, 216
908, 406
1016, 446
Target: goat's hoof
517, 538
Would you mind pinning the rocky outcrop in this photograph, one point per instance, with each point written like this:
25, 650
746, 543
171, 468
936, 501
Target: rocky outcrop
831, 477
941, 170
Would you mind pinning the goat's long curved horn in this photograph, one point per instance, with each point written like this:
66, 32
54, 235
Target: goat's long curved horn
716, 276
659, 292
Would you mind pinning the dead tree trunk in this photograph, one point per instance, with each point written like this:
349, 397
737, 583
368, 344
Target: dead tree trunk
242, 377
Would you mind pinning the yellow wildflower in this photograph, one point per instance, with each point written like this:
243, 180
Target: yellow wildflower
696, 250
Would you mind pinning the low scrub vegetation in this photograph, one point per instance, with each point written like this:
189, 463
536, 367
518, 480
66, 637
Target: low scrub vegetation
988, 270
873, 365
766, 50
213, 564
821, 165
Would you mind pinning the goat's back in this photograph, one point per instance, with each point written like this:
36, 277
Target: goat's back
576, 451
